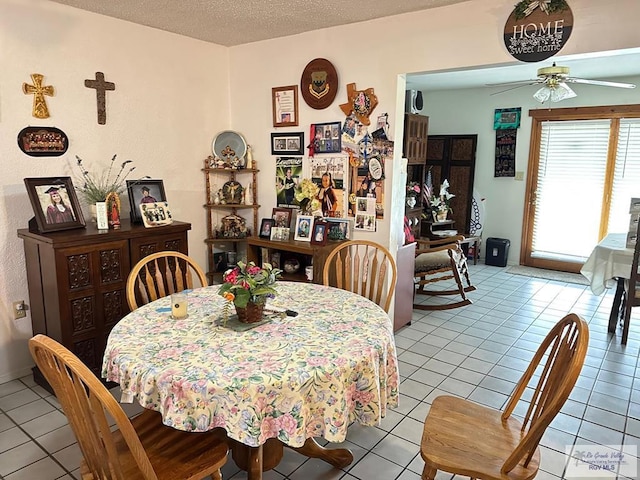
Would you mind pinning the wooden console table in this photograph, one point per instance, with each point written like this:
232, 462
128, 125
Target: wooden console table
77, 281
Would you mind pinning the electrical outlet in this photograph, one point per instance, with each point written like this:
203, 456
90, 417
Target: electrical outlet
19, 309
520, 176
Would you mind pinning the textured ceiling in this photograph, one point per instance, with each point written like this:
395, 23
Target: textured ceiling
234, 22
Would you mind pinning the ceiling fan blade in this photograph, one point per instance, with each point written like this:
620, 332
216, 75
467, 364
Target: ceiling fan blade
517, 82
514, 87
602, 83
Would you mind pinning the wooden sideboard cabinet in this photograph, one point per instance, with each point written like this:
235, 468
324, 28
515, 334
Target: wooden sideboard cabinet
304, 252
77, 281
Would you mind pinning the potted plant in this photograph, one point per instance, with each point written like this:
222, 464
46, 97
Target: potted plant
441, 205
413, 190
248, 287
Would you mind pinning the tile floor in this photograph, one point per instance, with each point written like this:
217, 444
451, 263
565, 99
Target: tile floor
476, 352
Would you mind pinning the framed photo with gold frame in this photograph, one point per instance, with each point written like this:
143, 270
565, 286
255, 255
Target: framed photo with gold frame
285, 106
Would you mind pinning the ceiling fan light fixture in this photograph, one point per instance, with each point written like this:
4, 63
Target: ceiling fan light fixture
556, 93
543, 94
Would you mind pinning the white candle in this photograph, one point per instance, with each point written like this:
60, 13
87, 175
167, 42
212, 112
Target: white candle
178, 305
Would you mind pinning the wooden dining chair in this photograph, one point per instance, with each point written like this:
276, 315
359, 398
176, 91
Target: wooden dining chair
161, 274
141, 448
631, 290
363, 267
464, 438
440, 260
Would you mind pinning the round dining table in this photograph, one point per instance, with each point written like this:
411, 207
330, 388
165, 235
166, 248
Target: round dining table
280, 383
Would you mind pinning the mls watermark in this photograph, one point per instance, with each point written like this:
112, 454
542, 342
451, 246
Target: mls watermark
602, 461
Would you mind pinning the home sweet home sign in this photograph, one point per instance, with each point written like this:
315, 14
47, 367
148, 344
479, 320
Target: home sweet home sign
538, 29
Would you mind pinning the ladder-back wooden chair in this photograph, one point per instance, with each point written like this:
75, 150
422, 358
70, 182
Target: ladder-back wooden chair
161, 274
140, 449
464, 438
440, 260
631, 290
362, 267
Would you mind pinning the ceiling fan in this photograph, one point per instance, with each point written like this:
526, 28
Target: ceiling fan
554, 81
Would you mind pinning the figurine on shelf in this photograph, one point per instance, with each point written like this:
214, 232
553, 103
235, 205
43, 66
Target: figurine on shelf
251, 163
113, 209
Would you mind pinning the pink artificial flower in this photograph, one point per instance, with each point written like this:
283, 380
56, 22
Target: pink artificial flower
253, 270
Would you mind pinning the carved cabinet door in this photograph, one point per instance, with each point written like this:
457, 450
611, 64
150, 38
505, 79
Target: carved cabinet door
92, 296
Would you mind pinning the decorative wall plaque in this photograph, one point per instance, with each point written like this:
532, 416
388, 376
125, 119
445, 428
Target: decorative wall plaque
43, 141
319, 83
538, 29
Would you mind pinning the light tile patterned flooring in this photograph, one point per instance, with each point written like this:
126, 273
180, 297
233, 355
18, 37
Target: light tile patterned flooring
476, 352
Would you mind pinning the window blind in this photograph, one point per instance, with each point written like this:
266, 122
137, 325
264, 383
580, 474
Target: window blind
626, 178
571, 178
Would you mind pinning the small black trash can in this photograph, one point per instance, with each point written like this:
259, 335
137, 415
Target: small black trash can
497, 252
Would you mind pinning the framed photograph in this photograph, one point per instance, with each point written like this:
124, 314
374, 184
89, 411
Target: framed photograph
285, 106
327, 137
280, 234
282, 216
144, 191
220, 262
320, 233
339, 229
55, 204
287, 143
304, 227
265, 227
155, 214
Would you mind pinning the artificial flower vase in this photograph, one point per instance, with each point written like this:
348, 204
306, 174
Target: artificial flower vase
252, 313
411, 202
442, 216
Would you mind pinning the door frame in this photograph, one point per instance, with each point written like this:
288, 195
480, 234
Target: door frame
559, 114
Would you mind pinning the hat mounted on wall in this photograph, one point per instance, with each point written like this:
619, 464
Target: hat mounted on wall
319, 83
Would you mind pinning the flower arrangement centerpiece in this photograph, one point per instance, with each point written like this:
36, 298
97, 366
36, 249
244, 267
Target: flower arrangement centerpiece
441, 205
248, 287
307, 196
95, 187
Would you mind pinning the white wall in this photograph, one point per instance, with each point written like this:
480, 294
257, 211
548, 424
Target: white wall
174, 94
171, 98
471, 111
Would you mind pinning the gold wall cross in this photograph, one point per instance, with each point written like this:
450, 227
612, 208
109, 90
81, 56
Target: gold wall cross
38, 91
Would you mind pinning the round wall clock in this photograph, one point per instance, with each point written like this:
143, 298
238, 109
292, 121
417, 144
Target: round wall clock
319, 83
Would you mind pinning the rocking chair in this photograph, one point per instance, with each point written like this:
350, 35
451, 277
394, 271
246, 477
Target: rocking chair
438, 260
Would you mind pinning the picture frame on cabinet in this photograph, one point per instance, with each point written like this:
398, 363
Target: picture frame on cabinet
265, 227
304, 228
282, 216
291, 143
284, 102
55, 204
144, 191
320, 233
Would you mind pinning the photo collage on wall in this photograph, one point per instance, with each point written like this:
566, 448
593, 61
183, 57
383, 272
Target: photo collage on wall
350, 180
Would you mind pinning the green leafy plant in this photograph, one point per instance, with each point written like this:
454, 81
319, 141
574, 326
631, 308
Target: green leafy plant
96, 187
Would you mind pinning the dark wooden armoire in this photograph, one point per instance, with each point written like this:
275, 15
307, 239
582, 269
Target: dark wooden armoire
453, 157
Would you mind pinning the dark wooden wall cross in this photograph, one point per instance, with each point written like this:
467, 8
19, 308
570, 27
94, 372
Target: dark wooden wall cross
101, 86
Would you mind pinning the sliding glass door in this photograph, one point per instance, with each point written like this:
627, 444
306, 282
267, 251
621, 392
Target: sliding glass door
584, 166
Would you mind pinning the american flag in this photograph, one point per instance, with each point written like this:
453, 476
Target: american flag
426, 189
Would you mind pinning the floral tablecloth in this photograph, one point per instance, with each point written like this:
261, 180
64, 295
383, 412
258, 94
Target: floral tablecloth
291, 379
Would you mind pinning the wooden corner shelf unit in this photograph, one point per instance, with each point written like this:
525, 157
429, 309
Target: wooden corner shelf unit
215, 211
